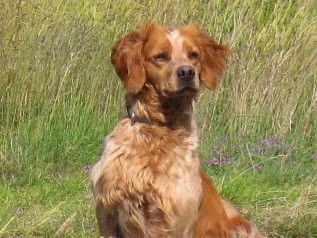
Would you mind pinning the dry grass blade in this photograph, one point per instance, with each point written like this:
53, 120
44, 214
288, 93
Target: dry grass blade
66, 224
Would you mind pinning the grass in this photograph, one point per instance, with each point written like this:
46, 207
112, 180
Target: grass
59, 96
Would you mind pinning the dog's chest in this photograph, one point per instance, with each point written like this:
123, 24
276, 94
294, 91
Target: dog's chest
157, 174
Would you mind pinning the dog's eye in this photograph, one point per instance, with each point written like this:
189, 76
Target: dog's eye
193, 55
161, 57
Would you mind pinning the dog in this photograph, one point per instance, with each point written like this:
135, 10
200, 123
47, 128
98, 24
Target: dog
148, 181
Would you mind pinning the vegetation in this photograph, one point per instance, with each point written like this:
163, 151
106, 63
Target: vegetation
59, 96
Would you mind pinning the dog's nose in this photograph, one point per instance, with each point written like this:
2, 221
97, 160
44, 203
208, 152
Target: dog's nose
186, 72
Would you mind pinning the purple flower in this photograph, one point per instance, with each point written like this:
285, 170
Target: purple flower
219, 152
314, 156
274, 143
213, 162
227, 162
257, 167
87, 169
216, 162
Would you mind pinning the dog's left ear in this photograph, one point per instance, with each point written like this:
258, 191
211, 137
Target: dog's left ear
128, 61
213, 60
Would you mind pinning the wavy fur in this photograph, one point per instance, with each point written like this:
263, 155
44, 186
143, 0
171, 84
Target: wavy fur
148, 182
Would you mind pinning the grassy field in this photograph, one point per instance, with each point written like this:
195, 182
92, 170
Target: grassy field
59, 96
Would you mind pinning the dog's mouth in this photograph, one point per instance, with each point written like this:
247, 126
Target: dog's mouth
188, 86
183, 92
188, 90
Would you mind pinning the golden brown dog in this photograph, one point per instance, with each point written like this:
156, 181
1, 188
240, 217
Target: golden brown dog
148, 181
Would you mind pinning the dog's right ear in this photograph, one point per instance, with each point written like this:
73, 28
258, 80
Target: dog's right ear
128, 60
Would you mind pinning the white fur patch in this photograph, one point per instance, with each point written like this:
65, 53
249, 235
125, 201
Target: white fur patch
176, 40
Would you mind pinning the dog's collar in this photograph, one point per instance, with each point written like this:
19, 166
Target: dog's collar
134, 117
131, 114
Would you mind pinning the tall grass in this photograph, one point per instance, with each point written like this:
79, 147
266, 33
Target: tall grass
59, 96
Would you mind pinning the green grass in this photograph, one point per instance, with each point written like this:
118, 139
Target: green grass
59, 96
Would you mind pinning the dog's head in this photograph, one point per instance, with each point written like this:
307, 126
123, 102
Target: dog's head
173, 61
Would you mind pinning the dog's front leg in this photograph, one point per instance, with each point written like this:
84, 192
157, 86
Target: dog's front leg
107, 222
